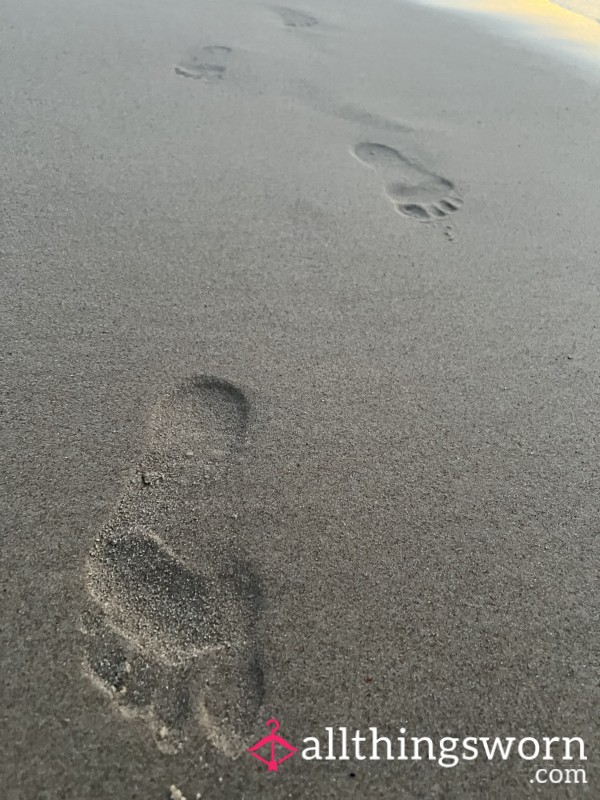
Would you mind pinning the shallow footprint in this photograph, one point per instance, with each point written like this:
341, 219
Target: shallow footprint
208, 65
292, 18
172, 641
368, 119
415, 191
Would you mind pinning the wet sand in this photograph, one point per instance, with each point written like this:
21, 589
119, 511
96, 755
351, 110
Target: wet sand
299, 331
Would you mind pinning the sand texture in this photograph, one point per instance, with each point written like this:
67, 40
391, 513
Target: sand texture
299, 346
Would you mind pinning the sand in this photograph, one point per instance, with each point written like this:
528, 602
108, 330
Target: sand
299, 326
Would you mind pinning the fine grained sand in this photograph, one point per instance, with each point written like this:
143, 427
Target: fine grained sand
299, 322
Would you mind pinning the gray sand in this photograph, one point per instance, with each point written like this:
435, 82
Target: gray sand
378, 224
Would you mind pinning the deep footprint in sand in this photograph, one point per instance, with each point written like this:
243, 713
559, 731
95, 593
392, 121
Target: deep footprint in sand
173, 640
208, 65
415, 191
292, 18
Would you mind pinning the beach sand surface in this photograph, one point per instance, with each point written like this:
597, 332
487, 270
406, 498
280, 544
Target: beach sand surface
300, 372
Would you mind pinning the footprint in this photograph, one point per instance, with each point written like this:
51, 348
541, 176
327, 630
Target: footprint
415, 191
172, 640
208, 65
296, 19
